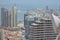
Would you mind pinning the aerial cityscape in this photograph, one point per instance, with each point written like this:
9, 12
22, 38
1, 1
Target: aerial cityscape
29, 19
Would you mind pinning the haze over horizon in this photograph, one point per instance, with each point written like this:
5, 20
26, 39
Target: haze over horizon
29, 4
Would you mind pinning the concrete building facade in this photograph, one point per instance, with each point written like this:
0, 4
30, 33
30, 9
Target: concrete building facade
13, 17
39, 27
4, 17
9, 17
42, 30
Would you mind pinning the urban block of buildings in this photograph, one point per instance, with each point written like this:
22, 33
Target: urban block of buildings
40, 25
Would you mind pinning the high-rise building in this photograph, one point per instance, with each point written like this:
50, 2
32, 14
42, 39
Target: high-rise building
59, 8
39, 28
13, 17
4, 17
47, 8
42, 30
9, 17
28, 19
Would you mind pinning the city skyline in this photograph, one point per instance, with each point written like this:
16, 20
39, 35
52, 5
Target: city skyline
29, 19
20, 13
29, 4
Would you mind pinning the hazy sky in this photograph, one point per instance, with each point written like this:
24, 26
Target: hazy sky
29, 4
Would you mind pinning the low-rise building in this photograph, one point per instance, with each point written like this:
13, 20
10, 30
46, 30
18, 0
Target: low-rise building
10, 34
